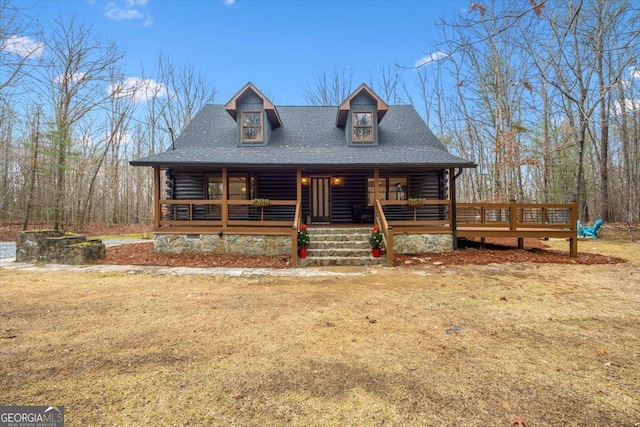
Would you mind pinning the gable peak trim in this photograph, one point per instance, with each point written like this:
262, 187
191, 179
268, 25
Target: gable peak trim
269, 107
345, 106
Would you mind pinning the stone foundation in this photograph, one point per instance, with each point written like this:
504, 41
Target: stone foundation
57, 247
422, 243
231, 244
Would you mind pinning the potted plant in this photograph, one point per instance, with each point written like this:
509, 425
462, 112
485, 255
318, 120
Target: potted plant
260, 202
375, 240
416, 201
303, 241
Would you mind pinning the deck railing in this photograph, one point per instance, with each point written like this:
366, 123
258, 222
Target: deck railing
518, 215
520, 220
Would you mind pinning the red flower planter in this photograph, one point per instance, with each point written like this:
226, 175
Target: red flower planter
302, 252
375, 252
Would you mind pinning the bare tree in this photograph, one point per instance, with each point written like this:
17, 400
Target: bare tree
388, 84
329, 88
78, 72
35, 150
187, 91
19, 45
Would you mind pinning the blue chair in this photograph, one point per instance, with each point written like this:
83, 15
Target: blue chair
589, 231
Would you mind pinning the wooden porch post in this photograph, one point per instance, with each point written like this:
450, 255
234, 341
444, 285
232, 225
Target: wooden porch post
156, 197
294, 231
513, 220
376, 190
573, 240
225, 197
452, 207
390, 248
298, 186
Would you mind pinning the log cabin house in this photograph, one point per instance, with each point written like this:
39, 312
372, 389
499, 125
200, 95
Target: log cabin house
326, 166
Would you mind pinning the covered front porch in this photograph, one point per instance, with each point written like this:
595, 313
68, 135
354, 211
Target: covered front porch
230, 201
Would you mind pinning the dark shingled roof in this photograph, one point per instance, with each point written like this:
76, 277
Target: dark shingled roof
308, 137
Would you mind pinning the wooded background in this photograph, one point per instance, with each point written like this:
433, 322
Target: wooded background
544, 96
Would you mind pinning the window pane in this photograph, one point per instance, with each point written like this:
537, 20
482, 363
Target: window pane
251, 119
237, 188
214, 188
382, 188
362, 133
252, 132
362, 119
397, 188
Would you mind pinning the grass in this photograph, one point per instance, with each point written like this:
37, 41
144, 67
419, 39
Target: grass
554, 345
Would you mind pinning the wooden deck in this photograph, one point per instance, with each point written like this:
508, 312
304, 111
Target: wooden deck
482, 220
519, 220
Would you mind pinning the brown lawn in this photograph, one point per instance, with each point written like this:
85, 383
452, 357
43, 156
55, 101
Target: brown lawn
420, 344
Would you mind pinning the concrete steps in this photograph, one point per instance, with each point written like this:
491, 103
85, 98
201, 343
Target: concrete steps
339, 246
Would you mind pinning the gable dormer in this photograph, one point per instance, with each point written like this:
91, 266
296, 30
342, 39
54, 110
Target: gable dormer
359, 116
255, 115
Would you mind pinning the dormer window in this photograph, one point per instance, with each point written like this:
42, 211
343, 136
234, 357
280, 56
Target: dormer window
359, 115
251, 126
255, 115
362, 122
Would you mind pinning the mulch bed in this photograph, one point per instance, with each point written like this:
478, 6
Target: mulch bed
469, 253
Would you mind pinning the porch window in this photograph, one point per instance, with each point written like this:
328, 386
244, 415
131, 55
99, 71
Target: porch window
390, 188
362, 123
251, 126
241, 187
214, 192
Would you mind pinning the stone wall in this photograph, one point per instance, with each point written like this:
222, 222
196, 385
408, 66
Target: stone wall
57, 247
422, 243
232, 244
245, 244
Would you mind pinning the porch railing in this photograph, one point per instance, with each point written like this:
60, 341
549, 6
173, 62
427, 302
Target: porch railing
395, 217
235, 213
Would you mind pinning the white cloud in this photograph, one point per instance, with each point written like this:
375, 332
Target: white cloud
118, 14
23, 46
131, 11
137, 89
75, 78
630, 105
229, 2
435, 56
123, 138
635, 72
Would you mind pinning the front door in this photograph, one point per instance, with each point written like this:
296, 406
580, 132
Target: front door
320, 202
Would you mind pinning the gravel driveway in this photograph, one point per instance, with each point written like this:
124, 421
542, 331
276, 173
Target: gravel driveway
7, 250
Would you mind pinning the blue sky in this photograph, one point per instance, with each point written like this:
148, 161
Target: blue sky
278, 45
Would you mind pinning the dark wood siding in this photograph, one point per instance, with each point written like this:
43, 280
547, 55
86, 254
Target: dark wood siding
351, 191
277, 186
429, 185
187, 185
